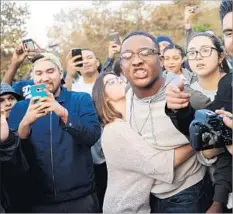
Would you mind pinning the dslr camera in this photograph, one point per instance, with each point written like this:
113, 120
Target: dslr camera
208, 131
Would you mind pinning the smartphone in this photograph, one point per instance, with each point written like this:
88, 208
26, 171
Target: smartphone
28, 43
195, 9
76, 52
114, 37
38, 91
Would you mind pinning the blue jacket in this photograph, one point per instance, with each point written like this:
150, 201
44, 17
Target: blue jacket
59, 155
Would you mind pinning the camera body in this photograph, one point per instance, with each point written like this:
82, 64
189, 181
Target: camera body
208, 131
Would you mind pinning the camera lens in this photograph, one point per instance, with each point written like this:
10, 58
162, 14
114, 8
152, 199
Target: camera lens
38, 90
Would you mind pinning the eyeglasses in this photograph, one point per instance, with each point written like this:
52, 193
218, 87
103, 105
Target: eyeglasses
204, 52
144, 54
113, 81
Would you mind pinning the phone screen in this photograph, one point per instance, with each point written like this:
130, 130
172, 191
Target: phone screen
29, 44
77, 52
115, 37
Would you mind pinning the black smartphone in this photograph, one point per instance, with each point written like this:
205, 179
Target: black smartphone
28, 43
114, 37
77, 52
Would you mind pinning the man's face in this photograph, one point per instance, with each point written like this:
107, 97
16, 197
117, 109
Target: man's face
141, 71
90, 63
45, 72
7, 102
227, 33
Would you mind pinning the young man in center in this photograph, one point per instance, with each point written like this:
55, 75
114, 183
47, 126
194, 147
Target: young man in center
141, 65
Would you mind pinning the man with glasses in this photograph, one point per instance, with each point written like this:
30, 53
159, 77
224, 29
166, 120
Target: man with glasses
141, 65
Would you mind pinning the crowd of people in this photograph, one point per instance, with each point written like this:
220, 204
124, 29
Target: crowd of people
114, 137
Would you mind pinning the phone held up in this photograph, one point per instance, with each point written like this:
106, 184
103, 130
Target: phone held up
77, 52
38, 91
114, 37
29, 44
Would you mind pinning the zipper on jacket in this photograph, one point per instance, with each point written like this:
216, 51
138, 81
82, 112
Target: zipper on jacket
51, 156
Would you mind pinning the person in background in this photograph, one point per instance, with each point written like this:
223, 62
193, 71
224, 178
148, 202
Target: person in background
19, 56
13, 164
89, 74
163, 42
179, 101
113, 50
57, 133
173, 59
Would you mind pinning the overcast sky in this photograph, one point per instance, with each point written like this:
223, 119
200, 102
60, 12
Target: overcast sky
42, 16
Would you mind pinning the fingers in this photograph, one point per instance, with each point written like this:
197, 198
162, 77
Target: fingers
175, 98
181, 85
228, 122
38, 115
225, 113
172, 88
33, 101
175, 92
19, 50
176, 106
3, 114
73, 59
49, 95
43, 107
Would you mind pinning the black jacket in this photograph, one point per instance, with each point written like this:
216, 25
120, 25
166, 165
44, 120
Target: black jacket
10, 158
182, 119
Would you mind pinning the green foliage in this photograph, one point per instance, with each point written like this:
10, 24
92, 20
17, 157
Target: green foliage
13, 20
200, 28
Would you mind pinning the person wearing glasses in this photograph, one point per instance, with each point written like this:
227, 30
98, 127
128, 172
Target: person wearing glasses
133, 163
184, 187
207, 60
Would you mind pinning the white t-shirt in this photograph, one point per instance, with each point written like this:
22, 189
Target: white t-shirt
81, 86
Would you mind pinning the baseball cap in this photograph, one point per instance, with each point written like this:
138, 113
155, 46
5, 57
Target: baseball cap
164, 39
48, 57
7, 89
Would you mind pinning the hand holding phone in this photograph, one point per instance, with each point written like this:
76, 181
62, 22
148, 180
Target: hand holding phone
77, 52
114, 37
113, 49
18, 56
31, 48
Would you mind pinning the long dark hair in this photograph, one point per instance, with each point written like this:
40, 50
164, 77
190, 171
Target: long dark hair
218, 45
106, 112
